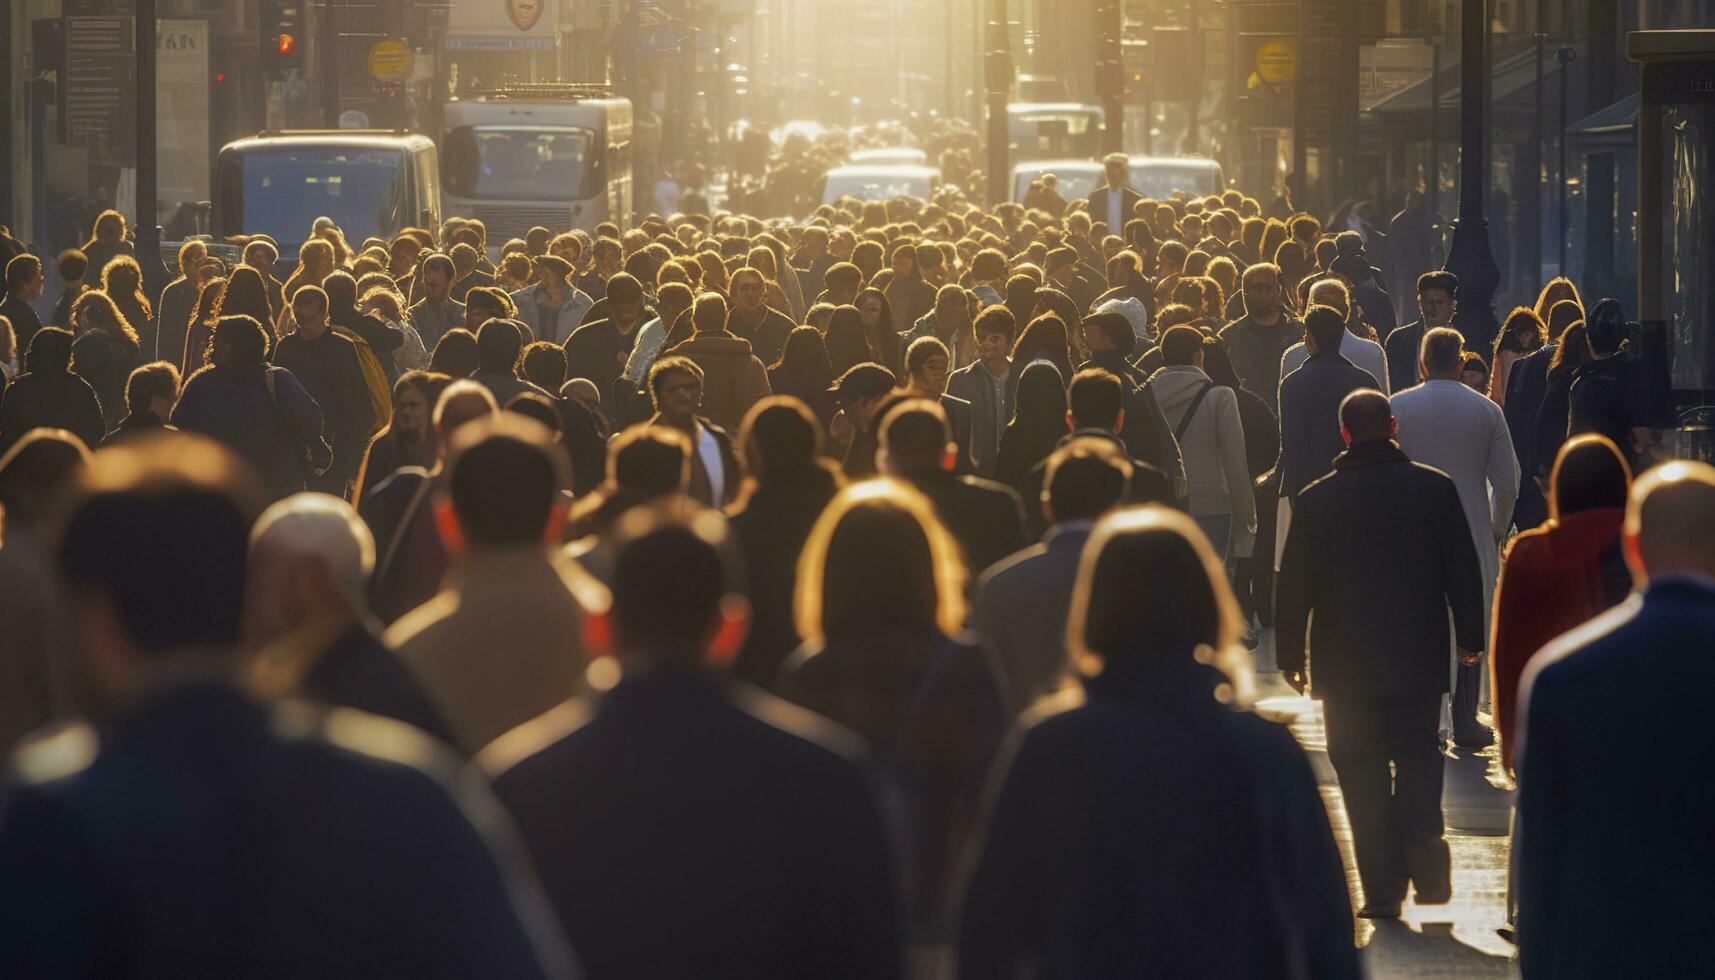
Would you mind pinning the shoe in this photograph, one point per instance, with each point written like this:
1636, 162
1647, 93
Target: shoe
1476, 740
1380, 911
1436, 894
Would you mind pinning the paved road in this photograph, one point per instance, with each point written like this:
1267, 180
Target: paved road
1453, 940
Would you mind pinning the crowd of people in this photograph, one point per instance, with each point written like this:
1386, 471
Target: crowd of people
868, 596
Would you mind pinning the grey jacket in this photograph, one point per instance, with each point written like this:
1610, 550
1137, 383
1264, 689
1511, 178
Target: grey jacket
1256, 352
1213, 447
975, 384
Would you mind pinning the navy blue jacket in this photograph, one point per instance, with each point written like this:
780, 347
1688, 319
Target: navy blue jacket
1616, 836
211, 839
1153, 831
1310, 417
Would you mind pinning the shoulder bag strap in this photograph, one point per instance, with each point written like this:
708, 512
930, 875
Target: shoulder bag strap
1196, 403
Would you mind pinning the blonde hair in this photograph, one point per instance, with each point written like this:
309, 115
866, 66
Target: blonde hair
823, 600
1557, 289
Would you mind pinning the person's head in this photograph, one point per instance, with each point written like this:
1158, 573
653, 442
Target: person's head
1558, 290
437, 276
498, 344
995, 327
1261, 285
842, 282
1668, 519
1522, 332
874, 309
1085, 479
661, 551
1366, 416
779, 438
414, 396
545, 365
71, 265
749, 290
460, 403
862, 390
310, 310
485, 303
259, 253
878, 555
650, 460
1116, 167
24, 277
50, 351
153, 387
1437, 297
95, 310
608, 256
915, 438
1605, 329
1150, 589
1331, 292
310, 561
926, 362
1562, 316
455, 354
341, 291
624, 298
191, 254
154, 557
1324, 330
1182, 345
33, 474
1589, 474
552, 271
1109, 331
709, 315
1474, 372
676, 388
1443, 354
109, 226
1095, 400
505, 477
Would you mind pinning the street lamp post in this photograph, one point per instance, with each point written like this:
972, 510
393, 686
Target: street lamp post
997, 78
1110, 75
148, 221
1470, 257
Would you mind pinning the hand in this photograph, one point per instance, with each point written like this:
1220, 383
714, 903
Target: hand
1469, 658
1294, 679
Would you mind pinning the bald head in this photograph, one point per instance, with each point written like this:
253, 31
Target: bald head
1366, 416
1668, 520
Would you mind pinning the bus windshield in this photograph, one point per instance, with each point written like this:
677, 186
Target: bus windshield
519, 163
286, 188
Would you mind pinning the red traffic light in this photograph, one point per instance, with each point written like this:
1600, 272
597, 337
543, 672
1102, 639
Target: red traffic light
284, 44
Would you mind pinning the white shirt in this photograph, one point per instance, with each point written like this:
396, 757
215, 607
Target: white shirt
644, 351
1362, 351
710, 452
1445, 424
1116, 221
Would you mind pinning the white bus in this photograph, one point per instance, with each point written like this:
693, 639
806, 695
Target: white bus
553, 155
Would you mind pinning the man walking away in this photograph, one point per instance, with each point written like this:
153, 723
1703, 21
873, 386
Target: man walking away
1205, 420
1377, 642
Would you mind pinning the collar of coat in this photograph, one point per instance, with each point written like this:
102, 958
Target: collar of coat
1375, 452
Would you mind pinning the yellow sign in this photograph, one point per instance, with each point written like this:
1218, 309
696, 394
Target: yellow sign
1277, 62
390, 60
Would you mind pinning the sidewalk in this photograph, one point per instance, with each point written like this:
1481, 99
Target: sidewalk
1453, 940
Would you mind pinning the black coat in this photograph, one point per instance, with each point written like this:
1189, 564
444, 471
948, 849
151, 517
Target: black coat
1615, 849
1608, 397
1310, 417
357, 671
208, 839
1153, 831
329, 370
985, 517
1526, 387
53, 400
1404, 355
689, 827
1377, 552
106, 361
772, 526
769, 337
279, 432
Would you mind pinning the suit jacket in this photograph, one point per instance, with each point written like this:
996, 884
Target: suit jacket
1310, 417
1021, 605
1404, 355
1099, 205
959, 418
1615, 850
1377, 552
985, 517
211, 837
974, 384
684, 826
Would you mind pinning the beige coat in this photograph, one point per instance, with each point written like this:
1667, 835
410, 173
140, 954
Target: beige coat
500, 644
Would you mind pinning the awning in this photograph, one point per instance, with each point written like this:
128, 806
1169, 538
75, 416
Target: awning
1512, 85
1611, 126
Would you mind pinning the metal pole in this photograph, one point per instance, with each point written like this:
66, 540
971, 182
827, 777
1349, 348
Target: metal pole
148, 221
1534, 182
1564, 56
997, 73
1471, 257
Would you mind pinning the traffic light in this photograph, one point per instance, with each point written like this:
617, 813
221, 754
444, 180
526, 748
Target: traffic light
282, 34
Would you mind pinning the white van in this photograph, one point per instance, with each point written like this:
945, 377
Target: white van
555, 155
372, 183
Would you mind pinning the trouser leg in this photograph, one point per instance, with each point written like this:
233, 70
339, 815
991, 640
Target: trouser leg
1358, 750
1418, 771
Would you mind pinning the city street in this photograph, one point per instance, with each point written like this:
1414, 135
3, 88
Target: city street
1454, 940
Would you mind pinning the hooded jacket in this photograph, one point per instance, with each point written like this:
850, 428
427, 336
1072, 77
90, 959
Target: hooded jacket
1213, 447
733, 378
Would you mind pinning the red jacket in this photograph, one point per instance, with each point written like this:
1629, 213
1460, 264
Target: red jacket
1552, 581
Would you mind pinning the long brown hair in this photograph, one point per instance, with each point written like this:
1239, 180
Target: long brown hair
124, 277
115, 320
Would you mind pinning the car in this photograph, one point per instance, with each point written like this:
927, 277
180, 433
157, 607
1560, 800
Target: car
889, 154
879, 182
1153, 177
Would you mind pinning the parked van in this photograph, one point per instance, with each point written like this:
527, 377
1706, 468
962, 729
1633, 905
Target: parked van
556, 155
372, 183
